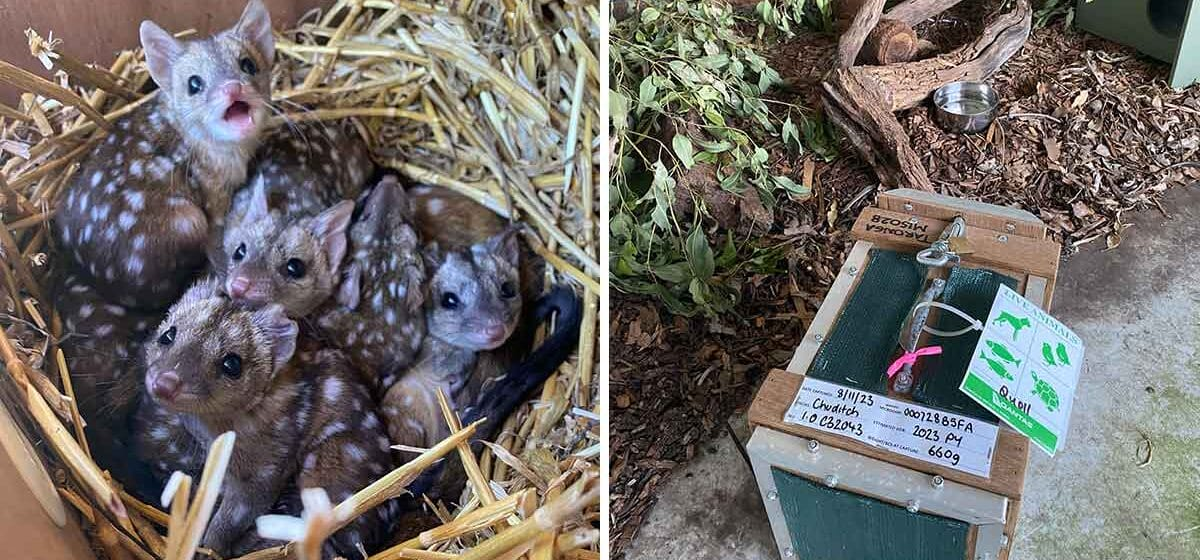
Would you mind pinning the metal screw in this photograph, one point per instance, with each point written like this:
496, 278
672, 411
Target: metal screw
1002, 238
819, 337
913, 506
938, 481
852, 270
914, 220
1010, 228
814, 445
831, 480
908, 207
772, 495
789, 552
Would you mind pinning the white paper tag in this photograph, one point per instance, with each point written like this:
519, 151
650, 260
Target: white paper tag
923, 433
1025, 369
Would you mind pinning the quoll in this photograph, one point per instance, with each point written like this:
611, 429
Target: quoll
301, 418
136, 218
376, 316
293, 259
473, 305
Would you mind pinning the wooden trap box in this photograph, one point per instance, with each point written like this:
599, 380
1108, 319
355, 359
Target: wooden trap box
833, 496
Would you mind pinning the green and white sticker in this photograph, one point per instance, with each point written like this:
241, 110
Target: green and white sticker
1025, 369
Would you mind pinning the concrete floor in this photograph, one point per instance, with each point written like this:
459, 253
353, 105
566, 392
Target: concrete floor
1137, 309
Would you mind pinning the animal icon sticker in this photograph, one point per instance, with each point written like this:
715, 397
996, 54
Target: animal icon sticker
1025, 369
1000, 360
1012, 321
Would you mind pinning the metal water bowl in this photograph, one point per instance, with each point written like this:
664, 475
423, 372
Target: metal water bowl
967, 107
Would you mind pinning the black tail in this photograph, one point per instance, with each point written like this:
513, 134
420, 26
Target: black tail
500, 400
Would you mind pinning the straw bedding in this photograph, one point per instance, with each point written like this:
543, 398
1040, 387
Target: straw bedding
495, 100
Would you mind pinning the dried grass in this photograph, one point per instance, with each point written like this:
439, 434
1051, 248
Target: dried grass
495, 100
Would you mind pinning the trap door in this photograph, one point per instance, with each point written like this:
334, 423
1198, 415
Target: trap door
831, 504
1168, 30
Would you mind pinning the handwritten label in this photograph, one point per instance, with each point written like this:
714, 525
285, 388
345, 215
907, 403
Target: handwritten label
926, 434
1025, 369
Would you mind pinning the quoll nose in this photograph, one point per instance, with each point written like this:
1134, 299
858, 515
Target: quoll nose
232, 90
494, 332
165, 386
238, 286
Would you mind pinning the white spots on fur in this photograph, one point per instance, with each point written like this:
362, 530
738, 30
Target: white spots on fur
135, 199
97, 177
134, 265
104, 330
331, 430
370, 422
126, 221
110, 187
436, 205
100, 212
355, 452
383, 442
390, 316
86, 235
115, 310
135, 168
377, 301
331, 389
184, 224
110, 233
83, 200
112, 139
310, 461
160, 433
86, 309
139, 242
144, 147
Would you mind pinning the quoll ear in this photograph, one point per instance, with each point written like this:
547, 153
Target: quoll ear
281, 333
504, 245
351, 287
260, 207
162, 50
255, 28
432, 255
330, 228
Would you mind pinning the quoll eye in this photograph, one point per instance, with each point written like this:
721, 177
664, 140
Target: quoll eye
195, 85
449, 300
248, 66
295, 269
167, 337
231, 366
240, 252
508, 290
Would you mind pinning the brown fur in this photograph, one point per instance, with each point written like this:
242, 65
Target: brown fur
137, 216
301, 418
483, 283
376, 317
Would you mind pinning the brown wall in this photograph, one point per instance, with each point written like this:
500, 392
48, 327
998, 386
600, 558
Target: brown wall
95, 30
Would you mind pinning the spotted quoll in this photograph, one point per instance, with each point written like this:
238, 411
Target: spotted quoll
137, 216
102, 347
301, 417
293, 259
308, 167
376, 316
472, 306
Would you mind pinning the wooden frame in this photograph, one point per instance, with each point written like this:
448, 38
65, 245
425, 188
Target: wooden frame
1009, 241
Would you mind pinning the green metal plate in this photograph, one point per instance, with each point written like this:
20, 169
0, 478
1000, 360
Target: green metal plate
831, 524
865, 336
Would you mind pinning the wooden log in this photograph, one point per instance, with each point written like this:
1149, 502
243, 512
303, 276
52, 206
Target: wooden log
856, 106
913, 12
861, 100
851, 42
891, 42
